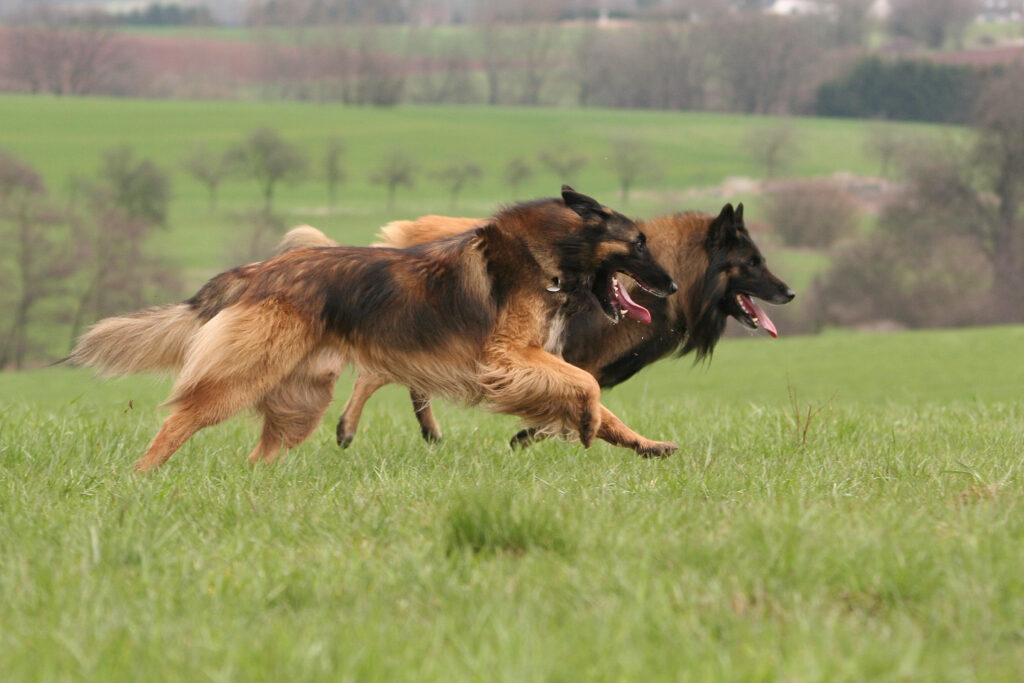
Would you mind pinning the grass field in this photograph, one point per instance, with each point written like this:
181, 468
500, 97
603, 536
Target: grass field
879, 540
63, 136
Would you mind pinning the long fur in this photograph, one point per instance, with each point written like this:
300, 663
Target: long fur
707, 256
465, 317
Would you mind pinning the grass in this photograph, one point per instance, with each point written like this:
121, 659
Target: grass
66, 136
880, 539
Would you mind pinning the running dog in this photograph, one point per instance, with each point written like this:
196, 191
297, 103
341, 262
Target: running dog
473, 317
719, 269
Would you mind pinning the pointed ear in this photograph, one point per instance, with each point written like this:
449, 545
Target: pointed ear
723, 228
738, 218
580, 203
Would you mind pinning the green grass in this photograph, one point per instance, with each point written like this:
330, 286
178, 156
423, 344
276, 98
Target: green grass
65, 136
884, 542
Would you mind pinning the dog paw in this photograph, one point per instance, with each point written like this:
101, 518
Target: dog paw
429, 435
523, 438
656, 449
344, 440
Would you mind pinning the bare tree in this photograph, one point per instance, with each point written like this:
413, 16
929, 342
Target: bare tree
138, 187
809, 213
772, 147
334, 173
884, 142
269, 159
396, 170
112, 224
934, 22
45, 55
38, 257
209, 168
766, 62
632, 161
951, 245
456, 176
563, 162
517, 171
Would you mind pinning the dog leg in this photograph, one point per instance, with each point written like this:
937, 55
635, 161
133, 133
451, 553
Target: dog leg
614, 431
293, 409
527, 437
429, 427
234, 360
544, 390
366, 384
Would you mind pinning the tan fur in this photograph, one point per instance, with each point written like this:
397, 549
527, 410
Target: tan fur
266, 346
520, 389
151, 340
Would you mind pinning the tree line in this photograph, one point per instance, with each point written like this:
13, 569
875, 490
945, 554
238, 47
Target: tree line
687, 55
73, 257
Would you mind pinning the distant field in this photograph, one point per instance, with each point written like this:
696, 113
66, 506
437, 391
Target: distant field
880, 540
64, 136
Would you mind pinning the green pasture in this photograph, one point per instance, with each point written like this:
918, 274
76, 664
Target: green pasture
64, 137
871, 531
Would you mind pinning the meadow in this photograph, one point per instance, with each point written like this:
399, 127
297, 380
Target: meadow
843, 507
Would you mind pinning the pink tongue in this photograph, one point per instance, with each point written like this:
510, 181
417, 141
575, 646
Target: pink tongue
762, 318
633, 309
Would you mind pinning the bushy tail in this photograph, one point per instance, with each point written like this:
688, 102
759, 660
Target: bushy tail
151, 339
424, 229
303, 237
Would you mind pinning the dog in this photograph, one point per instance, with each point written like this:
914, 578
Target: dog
714, 260
467, 317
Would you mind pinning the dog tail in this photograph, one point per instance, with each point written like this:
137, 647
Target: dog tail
151, 339
303, 237
403, 234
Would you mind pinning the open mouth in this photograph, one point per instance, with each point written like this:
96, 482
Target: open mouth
618, 303
753, 316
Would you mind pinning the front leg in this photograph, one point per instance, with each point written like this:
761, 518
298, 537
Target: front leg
613, 430
544, 390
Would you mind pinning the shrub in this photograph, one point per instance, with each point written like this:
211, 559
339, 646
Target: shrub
808, 214
903, 89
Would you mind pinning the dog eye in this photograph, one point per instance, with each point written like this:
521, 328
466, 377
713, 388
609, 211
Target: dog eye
753, 262
640, 244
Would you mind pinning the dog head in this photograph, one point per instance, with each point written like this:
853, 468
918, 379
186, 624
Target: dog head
608, 245
737, 273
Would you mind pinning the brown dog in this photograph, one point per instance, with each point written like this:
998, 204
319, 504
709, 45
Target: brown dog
467, 317
713, 258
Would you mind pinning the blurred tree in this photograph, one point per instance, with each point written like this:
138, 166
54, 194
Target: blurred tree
765, 61
632, 161
334, 173
44, 54
396, 170
113, 218
932, 22
563, 162
772, 147
269, 159
209, 168
884, 141
37, 257
456, 176
517, 171
140, 188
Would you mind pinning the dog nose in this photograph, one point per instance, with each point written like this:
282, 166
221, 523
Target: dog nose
673, 287
790, 294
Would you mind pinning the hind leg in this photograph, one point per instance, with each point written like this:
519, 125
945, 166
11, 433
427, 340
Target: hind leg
429, 427
234, 360
365, 386
294, 408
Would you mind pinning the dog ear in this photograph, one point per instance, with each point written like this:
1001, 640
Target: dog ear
738, 216
580, 203
723, 228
